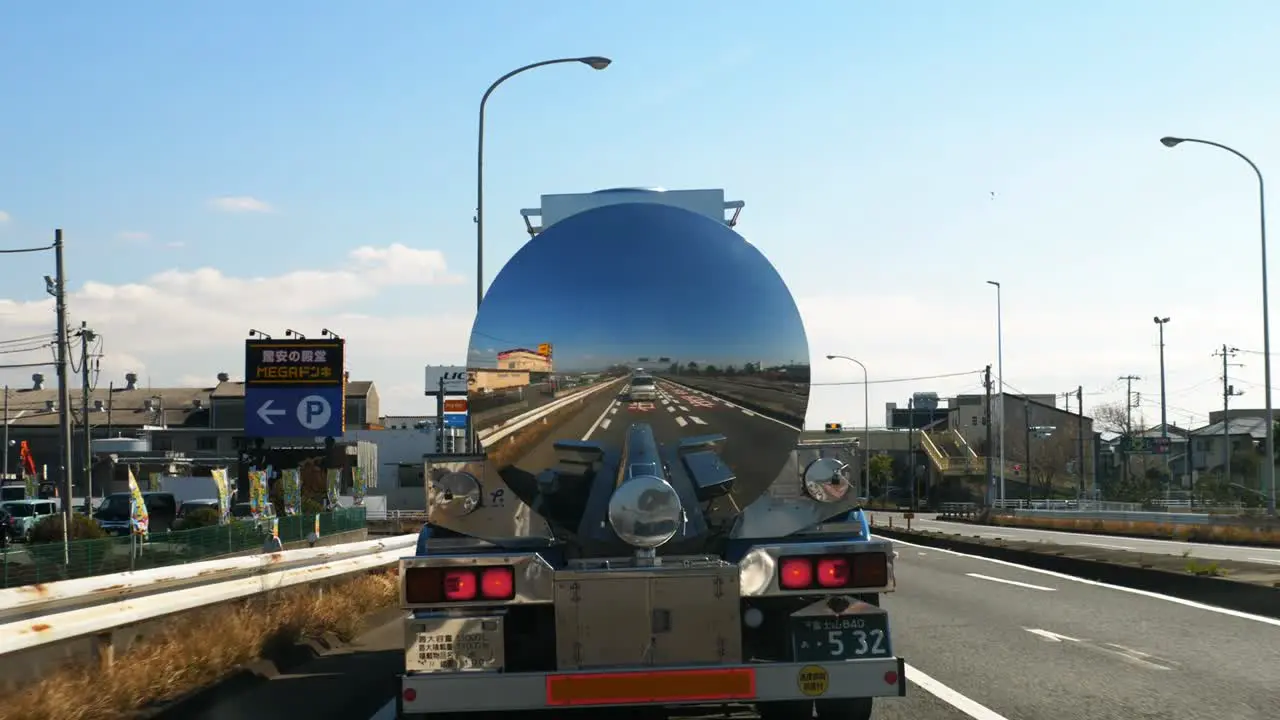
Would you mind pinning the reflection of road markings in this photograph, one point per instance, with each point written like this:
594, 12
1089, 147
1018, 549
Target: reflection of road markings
671, 408
683, 408
681, 421
1029, 586
1109, 547
747, 412
762, 417
613, 409
1129, 655
605, 425
697, 420
599, 420
1263, 560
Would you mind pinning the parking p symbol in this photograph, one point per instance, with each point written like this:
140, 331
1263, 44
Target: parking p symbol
314, 412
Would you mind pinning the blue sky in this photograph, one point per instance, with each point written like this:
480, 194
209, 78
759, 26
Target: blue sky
893, 157
617, 284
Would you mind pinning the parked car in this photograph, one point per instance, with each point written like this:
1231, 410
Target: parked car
190, 506
113, 514
25, 514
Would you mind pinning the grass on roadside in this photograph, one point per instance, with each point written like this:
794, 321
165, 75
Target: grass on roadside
196, 649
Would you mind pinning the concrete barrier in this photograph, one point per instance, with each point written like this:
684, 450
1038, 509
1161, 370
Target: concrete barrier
1162, 526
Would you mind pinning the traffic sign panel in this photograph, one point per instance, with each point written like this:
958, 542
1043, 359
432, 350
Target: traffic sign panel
293, 411
293, 362
455, 420
455, 405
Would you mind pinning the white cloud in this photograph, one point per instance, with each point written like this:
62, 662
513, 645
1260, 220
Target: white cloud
183, 327
4, 217
240, 204
135, 236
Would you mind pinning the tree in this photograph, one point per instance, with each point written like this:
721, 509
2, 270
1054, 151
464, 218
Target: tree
1115, 418
1050, 457
881, 474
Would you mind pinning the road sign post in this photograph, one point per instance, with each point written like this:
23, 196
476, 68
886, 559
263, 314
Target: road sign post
294, 388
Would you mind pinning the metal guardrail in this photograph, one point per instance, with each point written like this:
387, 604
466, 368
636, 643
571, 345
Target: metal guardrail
42, 614
505, 429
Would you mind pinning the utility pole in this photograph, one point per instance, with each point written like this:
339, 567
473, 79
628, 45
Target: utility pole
1129, 404
59, 291
1080, 434
991, 476
911, 450
4, 470
1228, 391
86, 336
1027, 423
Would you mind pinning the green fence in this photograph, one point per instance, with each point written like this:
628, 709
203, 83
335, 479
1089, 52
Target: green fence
27, 564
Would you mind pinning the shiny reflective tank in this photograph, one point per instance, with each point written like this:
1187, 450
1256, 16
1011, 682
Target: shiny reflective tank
674, 367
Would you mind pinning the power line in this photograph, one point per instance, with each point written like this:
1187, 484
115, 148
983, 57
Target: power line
897, 380
15, 251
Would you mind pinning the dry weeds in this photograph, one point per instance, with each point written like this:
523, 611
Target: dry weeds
196, 649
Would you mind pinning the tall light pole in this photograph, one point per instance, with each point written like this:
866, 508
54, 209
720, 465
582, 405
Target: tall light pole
1164, 406
866, 421
1268, 467
594, 62
1000, 372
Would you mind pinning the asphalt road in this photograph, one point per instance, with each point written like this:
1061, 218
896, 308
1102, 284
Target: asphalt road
756, 447
984, 640
1204, 551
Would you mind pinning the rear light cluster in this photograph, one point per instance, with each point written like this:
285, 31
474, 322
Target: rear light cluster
450, 584
860, 570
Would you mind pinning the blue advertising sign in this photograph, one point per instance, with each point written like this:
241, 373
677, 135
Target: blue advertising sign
293, 411
455, 420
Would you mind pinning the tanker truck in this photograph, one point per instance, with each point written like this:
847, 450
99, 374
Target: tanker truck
697, 550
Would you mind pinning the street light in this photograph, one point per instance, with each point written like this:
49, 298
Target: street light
1164, 407
1268, 467
1000, 372
866, 421
595, 62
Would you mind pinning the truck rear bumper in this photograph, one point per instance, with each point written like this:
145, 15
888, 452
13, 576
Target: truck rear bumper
431, 693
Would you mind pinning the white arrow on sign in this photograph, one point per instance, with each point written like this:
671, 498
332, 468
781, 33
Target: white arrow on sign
266, 413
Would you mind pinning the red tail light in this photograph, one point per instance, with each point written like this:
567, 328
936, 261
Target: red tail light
860, 570
432, 585
460, 585
797, 573
498, 583
833, 571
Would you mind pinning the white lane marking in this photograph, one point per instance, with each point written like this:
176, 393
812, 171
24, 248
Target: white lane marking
1137, 657
683, 408
969, 707
595, 424
747, 412
697, 420
1029, 586
1263, 560
1083, 581
681, 421
605, 425
671, 409
1129, 655
1109, 547
1050, 635
613, 410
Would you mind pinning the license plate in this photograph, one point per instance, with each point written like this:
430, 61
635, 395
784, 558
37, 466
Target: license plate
840, 638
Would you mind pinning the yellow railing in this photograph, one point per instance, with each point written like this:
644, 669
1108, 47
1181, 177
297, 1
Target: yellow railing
936, 455
964, 444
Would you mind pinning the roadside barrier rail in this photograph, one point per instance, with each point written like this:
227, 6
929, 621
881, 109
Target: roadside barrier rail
38, 615
508, 427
